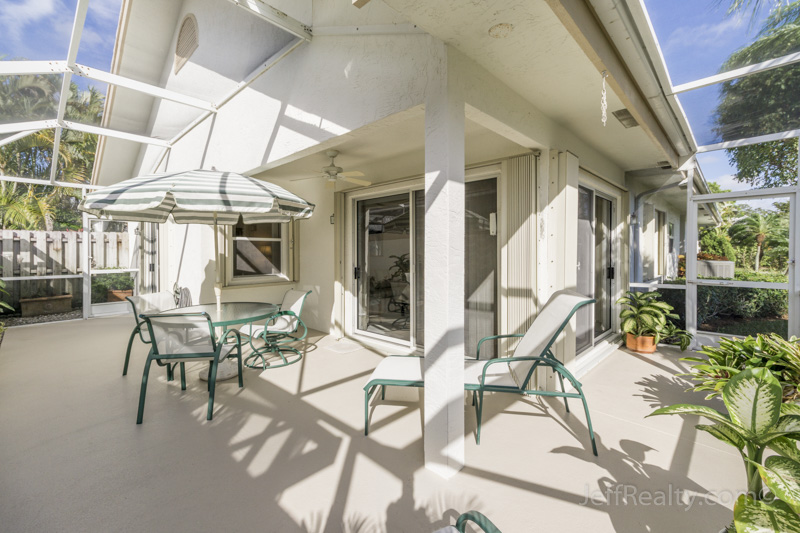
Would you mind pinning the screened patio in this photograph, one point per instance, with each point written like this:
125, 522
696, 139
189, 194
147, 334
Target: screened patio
288, 453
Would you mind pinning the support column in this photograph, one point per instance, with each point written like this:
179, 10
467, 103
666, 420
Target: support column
444, 266
691, 260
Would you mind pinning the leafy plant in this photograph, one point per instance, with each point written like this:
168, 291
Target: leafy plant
761, 230
714, 242
757, 421
780, 356
4, 306
101, 284
672, 334
645, 315
400, 267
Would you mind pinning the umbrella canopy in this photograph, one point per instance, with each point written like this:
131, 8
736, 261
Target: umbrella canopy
195, 197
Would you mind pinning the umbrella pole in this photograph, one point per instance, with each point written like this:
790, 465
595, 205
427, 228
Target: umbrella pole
217, 279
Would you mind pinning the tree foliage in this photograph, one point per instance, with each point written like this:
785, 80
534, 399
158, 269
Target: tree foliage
36, 97
765, 102
762, 230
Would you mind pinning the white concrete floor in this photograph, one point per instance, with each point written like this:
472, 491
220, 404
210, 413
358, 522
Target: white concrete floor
287, 452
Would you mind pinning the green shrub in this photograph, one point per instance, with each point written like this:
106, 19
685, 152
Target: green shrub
743, 274
737, 302
715, 242
103, 283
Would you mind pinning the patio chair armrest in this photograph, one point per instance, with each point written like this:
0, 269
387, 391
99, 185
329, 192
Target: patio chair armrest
228, 333
479, 519
551, 362
493, 337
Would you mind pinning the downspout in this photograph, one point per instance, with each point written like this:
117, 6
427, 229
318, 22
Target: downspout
635, 225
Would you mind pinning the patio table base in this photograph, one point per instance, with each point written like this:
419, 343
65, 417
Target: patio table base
226, 369
260, 357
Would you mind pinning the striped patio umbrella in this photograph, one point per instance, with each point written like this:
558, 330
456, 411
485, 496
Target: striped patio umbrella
197, 197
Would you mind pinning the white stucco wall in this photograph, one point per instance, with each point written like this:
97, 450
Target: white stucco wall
648, 234
322, 90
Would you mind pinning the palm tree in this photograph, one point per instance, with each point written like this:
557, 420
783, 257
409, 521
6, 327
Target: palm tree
755, 6
35, 98
761, 230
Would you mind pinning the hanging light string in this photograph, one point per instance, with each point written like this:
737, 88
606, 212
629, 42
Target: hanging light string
604, 100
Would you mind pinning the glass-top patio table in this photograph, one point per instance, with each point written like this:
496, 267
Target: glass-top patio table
229, 314
232, 313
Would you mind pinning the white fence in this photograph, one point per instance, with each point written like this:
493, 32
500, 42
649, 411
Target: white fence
56, 253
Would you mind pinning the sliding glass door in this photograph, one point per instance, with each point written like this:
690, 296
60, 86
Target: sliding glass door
596, 266
390, 266
382, 272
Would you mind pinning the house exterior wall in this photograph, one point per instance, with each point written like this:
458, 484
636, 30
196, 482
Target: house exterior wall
643, 263
321, 92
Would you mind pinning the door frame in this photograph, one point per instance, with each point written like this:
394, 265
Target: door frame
350, 255
600, 188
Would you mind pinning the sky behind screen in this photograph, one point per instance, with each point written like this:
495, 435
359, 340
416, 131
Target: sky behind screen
695, 36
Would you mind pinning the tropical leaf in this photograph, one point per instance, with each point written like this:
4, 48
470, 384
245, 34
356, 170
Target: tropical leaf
725, 434
782, 476
699, 410
753, 399
786, 447
751, 516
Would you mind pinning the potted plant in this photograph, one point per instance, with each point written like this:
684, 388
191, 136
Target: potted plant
757, 421
3, 308
646, 321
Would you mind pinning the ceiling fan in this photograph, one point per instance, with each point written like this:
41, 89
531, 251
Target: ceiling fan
333, 173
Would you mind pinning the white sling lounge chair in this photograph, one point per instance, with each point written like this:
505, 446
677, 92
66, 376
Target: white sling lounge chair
509, 374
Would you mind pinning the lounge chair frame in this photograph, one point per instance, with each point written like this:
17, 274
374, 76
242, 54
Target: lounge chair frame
478, 390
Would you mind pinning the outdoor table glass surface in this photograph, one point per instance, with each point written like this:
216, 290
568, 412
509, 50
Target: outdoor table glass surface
231, 313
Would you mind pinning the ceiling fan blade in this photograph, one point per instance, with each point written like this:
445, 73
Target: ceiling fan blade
308, 178
364, 183
352, 174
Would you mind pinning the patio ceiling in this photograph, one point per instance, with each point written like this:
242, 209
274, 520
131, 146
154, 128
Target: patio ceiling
542, 62
389, 149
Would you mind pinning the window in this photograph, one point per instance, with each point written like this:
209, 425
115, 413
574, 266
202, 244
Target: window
188, 41
260, 253
671, 237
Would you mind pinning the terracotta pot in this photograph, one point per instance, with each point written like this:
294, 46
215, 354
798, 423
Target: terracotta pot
640, 344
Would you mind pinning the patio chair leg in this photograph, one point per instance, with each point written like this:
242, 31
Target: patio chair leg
479, 409
183, 376
561, 379
208, 383
588, 420
143, 391
170, 372
212, 385
366, 412
383, 392
239, 365
128, 352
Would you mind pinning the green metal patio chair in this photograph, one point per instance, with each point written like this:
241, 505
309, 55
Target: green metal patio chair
149, 304
280, 330
508, 374
185, 337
